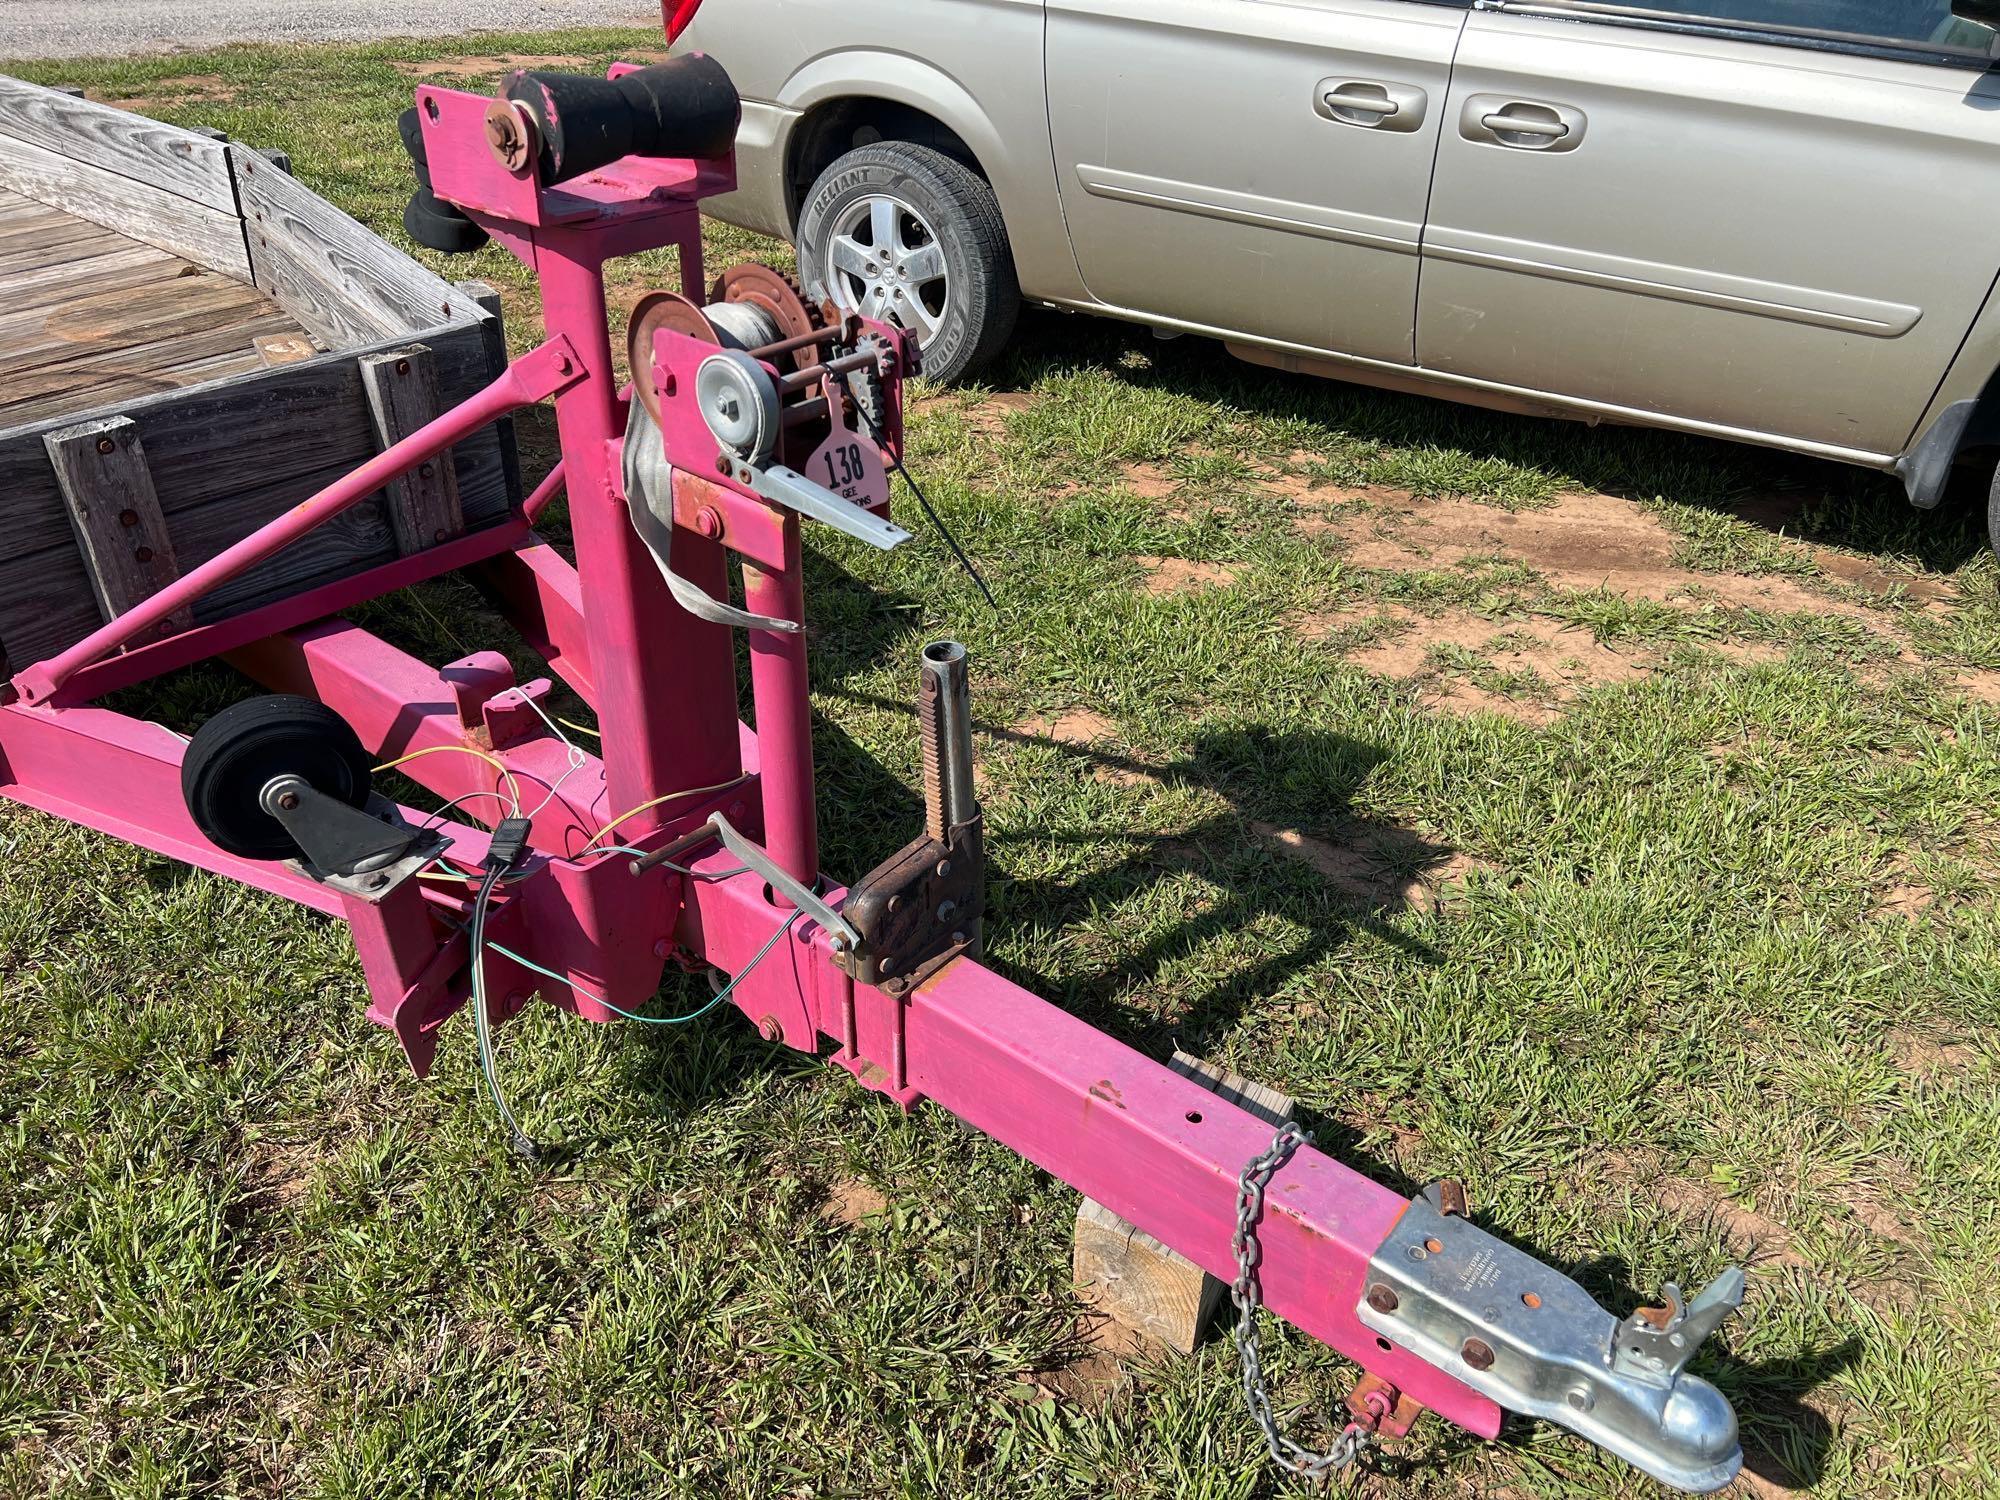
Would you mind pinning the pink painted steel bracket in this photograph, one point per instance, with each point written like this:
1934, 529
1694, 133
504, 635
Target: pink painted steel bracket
1442, 1320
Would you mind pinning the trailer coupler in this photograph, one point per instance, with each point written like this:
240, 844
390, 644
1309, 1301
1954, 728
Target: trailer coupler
1533, 1341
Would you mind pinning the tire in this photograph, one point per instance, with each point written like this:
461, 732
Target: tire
963, 316
237, 752
1993, 512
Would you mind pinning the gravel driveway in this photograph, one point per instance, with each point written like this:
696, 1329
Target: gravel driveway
81, 28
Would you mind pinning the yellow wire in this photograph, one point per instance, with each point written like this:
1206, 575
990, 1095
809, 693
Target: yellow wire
513, 786
581, 728
693, 791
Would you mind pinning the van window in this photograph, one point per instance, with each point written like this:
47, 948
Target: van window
1916, 25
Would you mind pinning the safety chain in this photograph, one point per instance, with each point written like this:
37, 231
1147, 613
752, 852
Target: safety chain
1247, 1296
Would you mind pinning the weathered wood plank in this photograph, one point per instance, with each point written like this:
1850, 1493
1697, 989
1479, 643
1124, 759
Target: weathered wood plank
402, 389
207, 449
283, 348
27, 245
1128, 1275
493, 333
163, 156
114, 390
151, 365
131, 266
328, 271
83, 327
101, 469
203, 442
138, 210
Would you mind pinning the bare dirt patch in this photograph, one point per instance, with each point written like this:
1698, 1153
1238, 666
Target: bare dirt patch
988, 416
1747, 1233
1083, 729
1177, 575
491, 67
1980, 687
1094, 1375
1073, 726
1334, 508
1746, 653
851, 1203
1873, 578
1151, 482
1373, 866
280, 1172
1921, 1055
1579, 541
172, 93
1560, 661
1908, 900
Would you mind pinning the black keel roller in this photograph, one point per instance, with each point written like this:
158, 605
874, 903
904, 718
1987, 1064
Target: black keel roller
685, 106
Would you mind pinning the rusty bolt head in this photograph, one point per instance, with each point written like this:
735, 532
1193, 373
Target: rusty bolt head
1476, 1354
426, 471
288, 800
708, 521
769, 1029
1382, 1297
895, 903
144, 554
128, 518
402, 367
105, 445
440, 534
945, 909
722, 464
943, 868
508, 135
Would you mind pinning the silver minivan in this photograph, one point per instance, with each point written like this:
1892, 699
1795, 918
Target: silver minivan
1775, 221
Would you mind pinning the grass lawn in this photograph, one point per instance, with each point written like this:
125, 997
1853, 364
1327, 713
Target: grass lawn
1599, 817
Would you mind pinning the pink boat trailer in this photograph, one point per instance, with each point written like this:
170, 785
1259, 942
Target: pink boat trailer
691, 841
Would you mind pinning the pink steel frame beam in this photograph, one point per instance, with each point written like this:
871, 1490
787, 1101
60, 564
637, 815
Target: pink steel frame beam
1139, 1138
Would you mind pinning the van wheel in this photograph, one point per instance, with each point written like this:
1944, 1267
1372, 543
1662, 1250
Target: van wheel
905, 235
1993, 512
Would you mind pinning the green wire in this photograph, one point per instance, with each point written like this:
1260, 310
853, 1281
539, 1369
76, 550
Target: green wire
694, 1015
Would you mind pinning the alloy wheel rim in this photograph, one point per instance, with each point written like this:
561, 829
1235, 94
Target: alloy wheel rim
884, 261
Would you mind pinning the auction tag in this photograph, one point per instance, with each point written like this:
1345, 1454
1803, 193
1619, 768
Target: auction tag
851, 467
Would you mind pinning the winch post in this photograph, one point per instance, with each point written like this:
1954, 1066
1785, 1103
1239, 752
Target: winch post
781, 701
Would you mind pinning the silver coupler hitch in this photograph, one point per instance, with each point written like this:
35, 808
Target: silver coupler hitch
1535, 1342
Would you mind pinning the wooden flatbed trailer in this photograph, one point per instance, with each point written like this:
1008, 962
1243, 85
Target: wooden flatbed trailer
191, 343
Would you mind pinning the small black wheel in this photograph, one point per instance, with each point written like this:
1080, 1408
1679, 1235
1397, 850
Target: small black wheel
908, 236
236, 754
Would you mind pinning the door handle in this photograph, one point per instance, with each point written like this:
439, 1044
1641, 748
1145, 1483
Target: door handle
1520, 124
1555, 130
1371, 104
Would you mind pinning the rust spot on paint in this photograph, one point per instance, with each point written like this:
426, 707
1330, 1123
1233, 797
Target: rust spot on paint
1106, 1090
873, 1073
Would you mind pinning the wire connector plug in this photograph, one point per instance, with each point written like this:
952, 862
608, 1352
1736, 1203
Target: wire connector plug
508, 845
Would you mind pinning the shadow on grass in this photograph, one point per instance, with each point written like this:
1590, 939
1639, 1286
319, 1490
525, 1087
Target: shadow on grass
1811, 499
1299, 781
